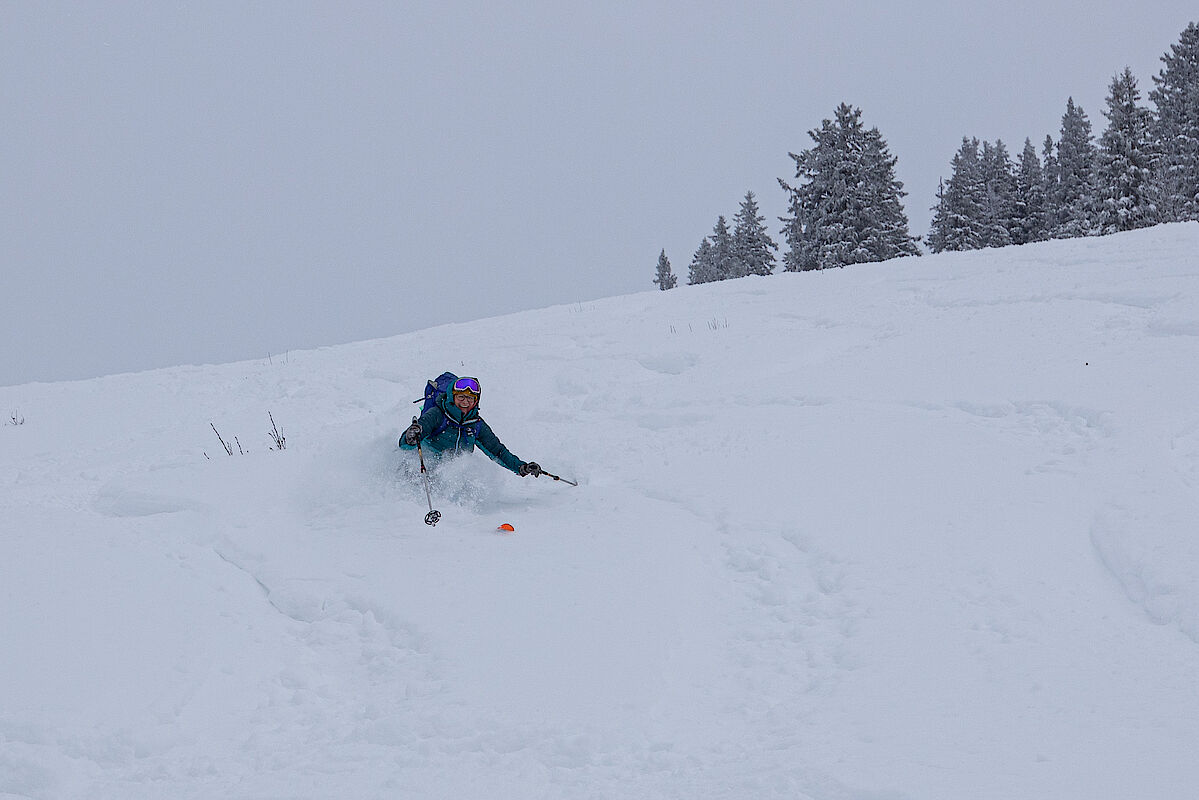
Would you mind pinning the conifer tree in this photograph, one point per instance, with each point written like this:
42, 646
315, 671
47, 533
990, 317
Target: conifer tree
1028, 199
752, 246
1176, 95
999, 183
666, 278
1125, 171
1050, 173
958, 216
938, 232
703, 265
722, 251
1075, 200
846, 207
800, 230
715, 260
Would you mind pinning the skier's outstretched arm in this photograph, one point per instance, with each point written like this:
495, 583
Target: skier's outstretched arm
495, 449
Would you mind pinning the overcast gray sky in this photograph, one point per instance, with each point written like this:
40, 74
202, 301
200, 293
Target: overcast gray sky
216, 181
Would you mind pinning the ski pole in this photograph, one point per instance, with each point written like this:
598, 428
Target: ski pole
557, 478
433, 517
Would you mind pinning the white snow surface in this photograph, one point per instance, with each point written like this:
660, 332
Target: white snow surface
919, 530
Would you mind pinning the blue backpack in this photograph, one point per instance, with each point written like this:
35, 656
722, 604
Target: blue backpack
435, 389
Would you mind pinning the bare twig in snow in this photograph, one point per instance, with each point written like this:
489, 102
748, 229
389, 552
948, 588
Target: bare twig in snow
277, 435
224, 444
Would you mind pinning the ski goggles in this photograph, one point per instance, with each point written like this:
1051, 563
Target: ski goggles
467, 386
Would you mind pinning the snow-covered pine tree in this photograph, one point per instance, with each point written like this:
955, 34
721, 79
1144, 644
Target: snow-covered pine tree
666, 278
799, 231
1176, 132
937, 239
1028, 200
1051, 173
958, 215
846, 208
714, 260
703, 265
722, 251
752, 246
1075, 198
1125, 170
999, 181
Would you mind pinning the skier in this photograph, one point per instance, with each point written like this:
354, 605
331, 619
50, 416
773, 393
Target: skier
453, 426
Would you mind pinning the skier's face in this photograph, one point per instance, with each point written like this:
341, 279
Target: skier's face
465, 401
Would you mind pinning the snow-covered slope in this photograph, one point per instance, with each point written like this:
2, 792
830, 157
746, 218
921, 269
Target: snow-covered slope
922, 529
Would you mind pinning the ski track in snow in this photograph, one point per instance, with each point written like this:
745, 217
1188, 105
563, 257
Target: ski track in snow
922, 529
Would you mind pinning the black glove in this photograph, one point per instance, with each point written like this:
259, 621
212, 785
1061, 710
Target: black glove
412, 435
529, 468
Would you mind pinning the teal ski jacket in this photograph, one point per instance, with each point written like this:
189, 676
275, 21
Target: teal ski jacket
447, 431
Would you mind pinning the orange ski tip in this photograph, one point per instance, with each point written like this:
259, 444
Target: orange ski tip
505, 527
